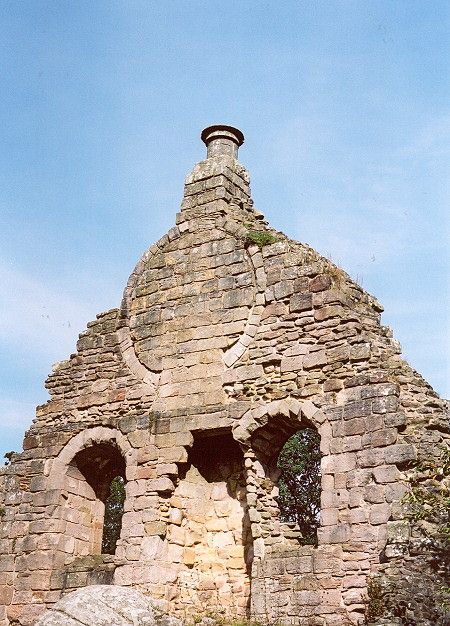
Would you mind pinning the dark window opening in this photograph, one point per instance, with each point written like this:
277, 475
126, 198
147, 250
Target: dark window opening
217, 457
300, 483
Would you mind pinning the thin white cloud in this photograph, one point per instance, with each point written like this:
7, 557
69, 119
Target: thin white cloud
15, 418
432, 140
46, 321
43, 322
16, 414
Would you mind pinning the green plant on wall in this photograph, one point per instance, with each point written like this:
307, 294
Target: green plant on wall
260, 237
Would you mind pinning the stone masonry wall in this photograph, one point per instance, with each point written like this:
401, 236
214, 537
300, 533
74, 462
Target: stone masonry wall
220, 351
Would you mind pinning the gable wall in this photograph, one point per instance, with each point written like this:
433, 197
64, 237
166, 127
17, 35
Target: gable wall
216, 335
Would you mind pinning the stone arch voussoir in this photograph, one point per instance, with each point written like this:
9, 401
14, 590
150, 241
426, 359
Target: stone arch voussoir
100, 434
297, 412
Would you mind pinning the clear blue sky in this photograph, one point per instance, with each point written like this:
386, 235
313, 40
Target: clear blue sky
344, 105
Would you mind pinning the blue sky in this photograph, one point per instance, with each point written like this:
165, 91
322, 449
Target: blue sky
344, 106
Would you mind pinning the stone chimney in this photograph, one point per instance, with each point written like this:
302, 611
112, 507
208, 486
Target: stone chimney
222, 140
219, 184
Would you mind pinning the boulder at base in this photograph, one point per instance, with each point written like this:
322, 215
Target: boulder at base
105, 605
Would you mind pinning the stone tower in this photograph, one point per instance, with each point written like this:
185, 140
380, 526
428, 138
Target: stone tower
229, 339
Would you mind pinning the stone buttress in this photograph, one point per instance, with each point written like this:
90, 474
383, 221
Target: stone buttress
230, 338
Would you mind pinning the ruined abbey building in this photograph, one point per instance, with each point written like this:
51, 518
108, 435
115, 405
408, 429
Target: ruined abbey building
230, 338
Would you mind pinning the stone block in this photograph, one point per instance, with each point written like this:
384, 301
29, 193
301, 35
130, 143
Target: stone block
139, 438
328, 312
379, 513
291, 364
167, 469
389, 404
156, 528
6, 595
175, 454
329, 517
176, 534
176, 516
334, 534
374, 493
386, 474
145, 472
189, 556
315, 359
352, 443
220, 540
47, 498
358, 408
300, 302
237, 297
360, 352
378, 438
371, 458
400, 453
320, 282
341, 353
394, 419
398, 531
283, 288
175, 553
396, 491
216, 524
246, 372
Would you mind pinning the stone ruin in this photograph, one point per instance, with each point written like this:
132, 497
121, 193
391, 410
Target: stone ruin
229, 339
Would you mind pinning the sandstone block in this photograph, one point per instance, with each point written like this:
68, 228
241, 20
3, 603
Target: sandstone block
389, 404
189, 557
246, 372
398, 531
300, 302
314, 359
156, 528
176, 516
328, 312
329, 517
216, 524
382, 437
379, 513
400, 453
291, 364
386, 474
320, 283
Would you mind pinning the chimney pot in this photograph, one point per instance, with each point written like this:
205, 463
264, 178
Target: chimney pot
221, 139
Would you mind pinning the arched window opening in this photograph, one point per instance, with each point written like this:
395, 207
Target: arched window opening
112, 524
97, 475
300, 483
